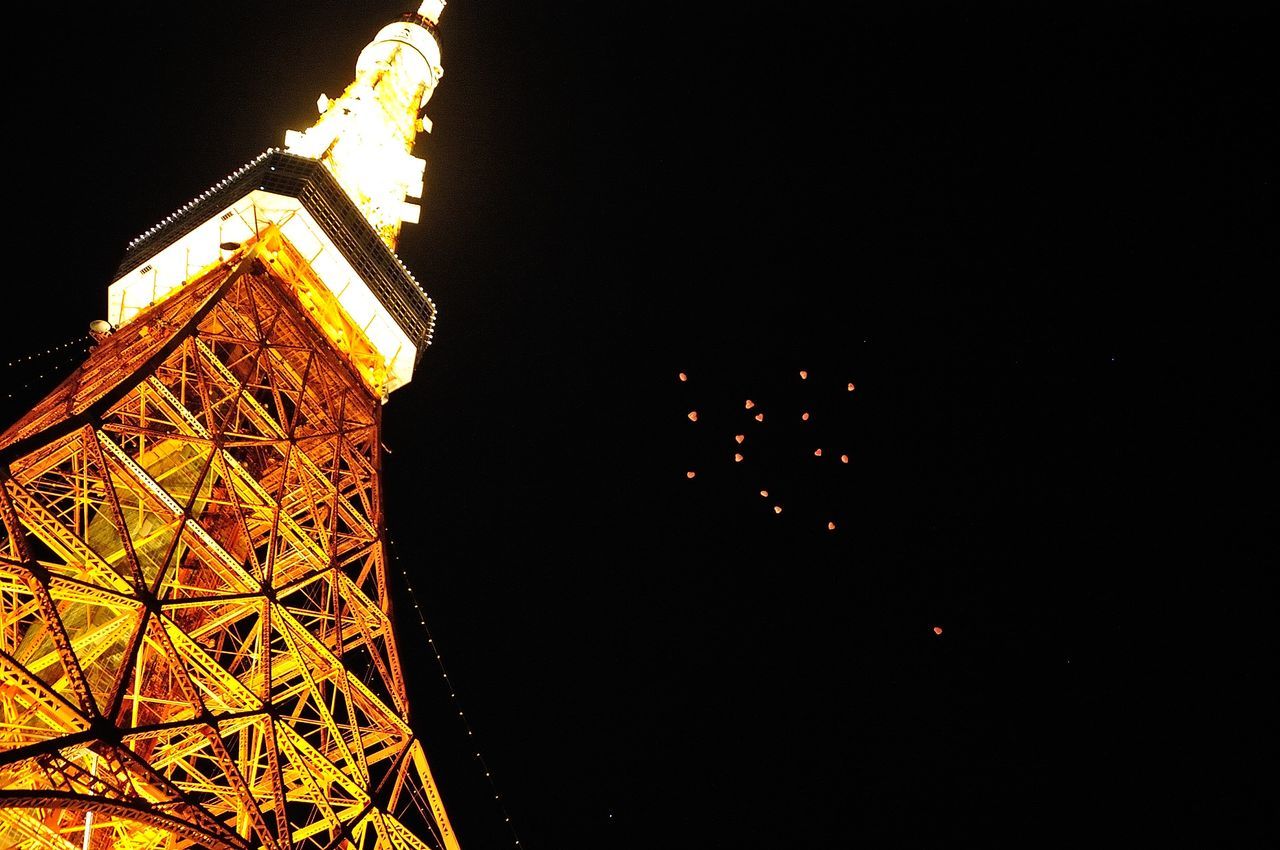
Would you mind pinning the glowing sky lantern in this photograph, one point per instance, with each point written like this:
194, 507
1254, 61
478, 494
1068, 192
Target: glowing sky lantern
803, 374
737, 457
831, 526
937, 630
844, 458
759, 417
777, 509
750, 404
817, 452
683, 377
804, 417
851, 386
739, 438
690, 474
764, 494
693, 416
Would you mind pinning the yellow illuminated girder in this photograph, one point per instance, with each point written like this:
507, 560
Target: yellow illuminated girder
195, 647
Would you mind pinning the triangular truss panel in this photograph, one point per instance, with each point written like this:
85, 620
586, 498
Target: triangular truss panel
195, 642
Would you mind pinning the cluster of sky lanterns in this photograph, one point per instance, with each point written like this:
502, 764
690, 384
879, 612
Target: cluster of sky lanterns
749, 405
739, 457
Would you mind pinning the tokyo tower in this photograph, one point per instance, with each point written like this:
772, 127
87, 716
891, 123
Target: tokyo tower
196, 647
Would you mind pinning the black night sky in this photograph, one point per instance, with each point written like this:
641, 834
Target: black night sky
1039, 244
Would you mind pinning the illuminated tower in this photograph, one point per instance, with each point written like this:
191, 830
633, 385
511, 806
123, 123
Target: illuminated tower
195, 643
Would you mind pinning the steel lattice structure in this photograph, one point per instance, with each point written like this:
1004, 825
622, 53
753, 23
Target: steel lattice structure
196, 647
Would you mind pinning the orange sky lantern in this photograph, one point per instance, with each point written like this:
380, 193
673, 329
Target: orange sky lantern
683, 377
759, 417
693, 416
817, 452
750, 404
803, 374
690, 474
737, 457
739, 438
937, 630
844, 458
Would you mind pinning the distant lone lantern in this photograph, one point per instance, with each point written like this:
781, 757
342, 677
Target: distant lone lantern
817, 452
844, 458
831, 526
683, 377
693, 416
804, 417
937, 630
690, 474
803, 374
851, 386
764, 494
750, 404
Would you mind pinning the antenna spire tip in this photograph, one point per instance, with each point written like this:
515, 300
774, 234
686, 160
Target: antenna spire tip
432, 9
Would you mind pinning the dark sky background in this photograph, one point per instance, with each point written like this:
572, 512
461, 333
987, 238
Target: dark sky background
1039, 243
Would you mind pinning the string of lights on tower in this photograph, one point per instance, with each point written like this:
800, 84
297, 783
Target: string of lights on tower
474, 749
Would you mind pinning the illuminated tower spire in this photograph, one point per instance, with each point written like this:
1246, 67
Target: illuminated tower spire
196, 643
365, 136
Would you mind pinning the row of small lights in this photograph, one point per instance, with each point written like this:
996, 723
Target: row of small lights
759, 417
221, 184
239, 172
453, 695
74, 356
19, 361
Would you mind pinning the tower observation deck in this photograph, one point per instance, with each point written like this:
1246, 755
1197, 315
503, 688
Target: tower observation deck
196, 645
